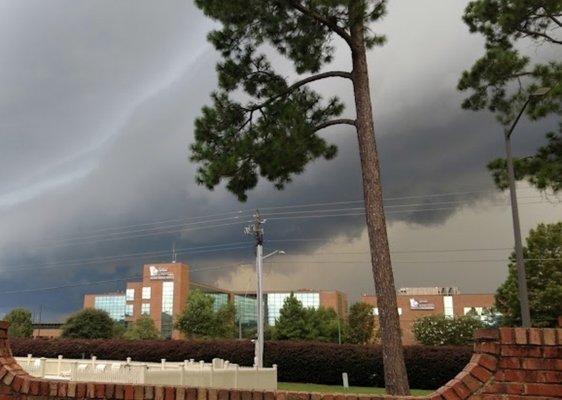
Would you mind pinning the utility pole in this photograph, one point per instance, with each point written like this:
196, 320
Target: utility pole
256, 230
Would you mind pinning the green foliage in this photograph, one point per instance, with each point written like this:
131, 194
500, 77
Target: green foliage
21, 324
543, 268
273, 132
439, 330
503, 79
119, 329
298, 323
142, 329
542, 170
88, 324
362, 324
200, 320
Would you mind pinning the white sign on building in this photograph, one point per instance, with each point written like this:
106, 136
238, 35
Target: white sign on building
160, 273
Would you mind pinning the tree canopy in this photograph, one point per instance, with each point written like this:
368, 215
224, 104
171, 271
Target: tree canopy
21, 324
200, 320
142, 329
503, 78
296, 322
89, 323
273, 133
362, 324
439, 330
543, 268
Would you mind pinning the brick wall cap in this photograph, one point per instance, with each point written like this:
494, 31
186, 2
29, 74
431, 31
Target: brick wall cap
486, 334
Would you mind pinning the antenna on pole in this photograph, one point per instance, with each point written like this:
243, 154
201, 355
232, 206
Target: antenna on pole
256, 229
174, 254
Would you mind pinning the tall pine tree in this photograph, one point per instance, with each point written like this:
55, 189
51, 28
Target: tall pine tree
262, 125
503, 78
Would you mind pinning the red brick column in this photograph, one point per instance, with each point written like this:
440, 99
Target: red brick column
509, 363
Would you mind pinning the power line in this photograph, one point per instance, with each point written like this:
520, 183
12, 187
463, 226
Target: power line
409, 262
70, 285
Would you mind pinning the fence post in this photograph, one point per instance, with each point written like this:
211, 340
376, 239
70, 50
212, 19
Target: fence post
144, 368
42, 366
201, 374
29, 357
236, 376
163, 364
182, 375
128, 360
74, 371
94, 358
59, 365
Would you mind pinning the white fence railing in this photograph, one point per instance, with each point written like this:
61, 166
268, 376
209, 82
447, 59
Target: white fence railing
218, 374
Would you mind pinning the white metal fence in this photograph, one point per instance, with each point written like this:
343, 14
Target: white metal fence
218, 374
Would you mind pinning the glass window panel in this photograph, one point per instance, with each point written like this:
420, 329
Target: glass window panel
130, 293
114, 305
129, 310
146, 292
145, 309
167, 309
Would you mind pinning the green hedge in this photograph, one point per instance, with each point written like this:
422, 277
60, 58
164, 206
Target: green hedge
310, 362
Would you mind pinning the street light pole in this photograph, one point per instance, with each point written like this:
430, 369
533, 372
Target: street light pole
520, 264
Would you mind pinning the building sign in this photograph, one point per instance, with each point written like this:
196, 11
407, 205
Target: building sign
421, 305
160, 273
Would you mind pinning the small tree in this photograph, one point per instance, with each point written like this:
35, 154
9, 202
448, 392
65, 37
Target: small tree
226, 321
437, 330
292, 321
20, 321
200, 320
88, 324
543, 268
361, 323
142, 329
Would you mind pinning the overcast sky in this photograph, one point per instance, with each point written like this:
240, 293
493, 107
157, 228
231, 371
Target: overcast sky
97, 108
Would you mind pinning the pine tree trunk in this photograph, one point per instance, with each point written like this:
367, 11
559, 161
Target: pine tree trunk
396, 379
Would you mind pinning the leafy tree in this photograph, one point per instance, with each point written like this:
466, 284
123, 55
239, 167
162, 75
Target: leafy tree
298, 323
119, 329
543, 268
292, 321
503, 79
260, 124
361, 323
21, 324
438, 330
200, 320
142, 329
226, 321
88, 324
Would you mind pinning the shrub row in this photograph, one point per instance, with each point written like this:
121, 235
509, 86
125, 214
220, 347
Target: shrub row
312, 362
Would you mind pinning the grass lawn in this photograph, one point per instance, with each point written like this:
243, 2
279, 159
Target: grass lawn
313, 387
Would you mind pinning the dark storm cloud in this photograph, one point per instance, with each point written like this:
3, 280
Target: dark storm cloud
97, 112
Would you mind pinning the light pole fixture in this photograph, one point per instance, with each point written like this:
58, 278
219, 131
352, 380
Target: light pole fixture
521, 278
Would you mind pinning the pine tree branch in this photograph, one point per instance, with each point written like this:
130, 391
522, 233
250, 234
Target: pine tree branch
543, 35
332, 24
555, 20
342, 121
296, 85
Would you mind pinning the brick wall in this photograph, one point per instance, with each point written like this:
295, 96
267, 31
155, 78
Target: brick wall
507, 364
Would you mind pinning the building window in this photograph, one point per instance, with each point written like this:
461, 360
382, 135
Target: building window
145, 308
221, 299
113, 305
146, 293
129, 310
130, 294
376, 311
473, 310
167, 309
246, 310
448, 310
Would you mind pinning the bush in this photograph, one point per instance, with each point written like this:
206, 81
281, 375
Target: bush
89, 324
312, 362
436, 330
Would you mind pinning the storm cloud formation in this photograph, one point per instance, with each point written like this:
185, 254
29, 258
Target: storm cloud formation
97, 107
